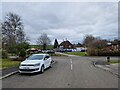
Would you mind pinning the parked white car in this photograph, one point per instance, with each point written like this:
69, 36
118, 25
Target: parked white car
35, 63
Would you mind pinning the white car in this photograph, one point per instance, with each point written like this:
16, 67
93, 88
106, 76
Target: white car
35, 63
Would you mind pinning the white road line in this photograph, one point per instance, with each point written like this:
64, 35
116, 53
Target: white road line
71, 61
71, 67
71, 64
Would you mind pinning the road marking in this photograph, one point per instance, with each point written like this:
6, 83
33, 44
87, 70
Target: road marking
71, 67
71, 61
71, 64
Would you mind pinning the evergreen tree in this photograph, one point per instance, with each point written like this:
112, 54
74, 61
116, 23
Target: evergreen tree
55, 44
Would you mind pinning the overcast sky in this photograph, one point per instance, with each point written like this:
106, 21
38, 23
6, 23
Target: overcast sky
66, 20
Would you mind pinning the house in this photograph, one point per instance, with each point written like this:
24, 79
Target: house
112, 46
66, 45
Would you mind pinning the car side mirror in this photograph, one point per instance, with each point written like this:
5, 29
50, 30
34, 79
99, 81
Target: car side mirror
45, 58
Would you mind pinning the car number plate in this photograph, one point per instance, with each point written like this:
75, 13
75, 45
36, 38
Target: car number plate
26, 67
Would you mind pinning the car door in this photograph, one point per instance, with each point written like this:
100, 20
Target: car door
46, 61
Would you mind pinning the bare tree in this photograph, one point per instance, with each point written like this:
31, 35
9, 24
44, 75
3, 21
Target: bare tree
43, 40
88, 40
12, 30
94, 44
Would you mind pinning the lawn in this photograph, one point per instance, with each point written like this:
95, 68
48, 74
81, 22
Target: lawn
39, 46
76, 53
7, 63
114, 62
57, 55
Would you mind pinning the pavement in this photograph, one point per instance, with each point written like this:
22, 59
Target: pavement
112, 68
67, 72
100, 62
8, 72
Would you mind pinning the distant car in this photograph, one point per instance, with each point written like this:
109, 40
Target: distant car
50, 51
35, 63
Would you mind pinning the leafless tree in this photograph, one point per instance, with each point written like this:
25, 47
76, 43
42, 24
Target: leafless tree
43, 40
88, 40
94, 44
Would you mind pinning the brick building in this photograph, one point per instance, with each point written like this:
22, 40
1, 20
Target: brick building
66, 45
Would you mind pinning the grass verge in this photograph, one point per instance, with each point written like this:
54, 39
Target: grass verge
57, 55
77, 53
114, 62
7, 63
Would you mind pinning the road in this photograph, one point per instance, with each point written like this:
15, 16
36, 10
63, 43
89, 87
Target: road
67, 72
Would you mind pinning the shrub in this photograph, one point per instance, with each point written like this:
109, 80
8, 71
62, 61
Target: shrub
22, 53
97, 52
109, 53
4, 54
91, 51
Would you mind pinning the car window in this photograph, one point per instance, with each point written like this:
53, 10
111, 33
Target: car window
47, 56
35, 57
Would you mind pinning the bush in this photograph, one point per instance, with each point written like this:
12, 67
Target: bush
109, 53
97, 52
4, 54
91, 51
22, 53
20, 46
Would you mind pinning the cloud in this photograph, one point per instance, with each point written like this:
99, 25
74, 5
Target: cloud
67, 20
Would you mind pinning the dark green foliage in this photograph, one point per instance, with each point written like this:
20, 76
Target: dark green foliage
44, 46
22, 53
11, 49
21, 46
4, 54
55, 44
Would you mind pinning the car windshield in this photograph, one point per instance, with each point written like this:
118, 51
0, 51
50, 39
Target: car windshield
35, 57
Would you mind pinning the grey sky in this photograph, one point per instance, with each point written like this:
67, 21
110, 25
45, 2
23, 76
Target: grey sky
66, 20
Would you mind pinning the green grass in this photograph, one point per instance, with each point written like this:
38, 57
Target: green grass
114, 62
76, 53
7, 63
39, 46
57, 55
54, 54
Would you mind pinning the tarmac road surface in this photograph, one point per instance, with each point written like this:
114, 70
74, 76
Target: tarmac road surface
67, 72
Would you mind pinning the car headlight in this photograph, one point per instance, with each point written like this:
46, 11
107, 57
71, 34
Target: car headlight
37, 64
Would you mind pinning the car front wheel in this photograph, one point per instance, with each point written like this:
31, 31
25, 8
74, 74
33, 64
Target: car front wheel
51, 65
42, 69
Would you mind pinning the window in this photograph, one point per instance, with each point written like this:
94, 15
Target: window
35, 57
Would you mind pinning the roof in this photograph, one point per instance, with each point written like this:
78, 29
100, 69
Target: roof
40, 54
66, 44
